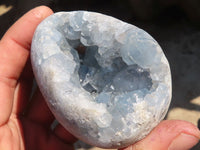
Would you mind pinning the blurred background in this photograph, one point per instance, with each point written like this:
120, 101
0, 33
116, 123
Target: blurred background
175, 24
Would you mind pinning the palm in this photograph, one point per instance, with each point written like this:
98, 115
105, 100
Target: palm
27, 122
20, 133
11, 137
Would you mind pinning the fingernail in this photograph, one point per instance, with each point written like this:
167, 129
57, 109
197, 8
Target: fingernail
183, 142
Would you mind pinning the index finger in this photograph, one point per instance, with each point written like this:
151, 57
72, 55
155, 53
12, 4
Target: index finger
14, 52
15, 44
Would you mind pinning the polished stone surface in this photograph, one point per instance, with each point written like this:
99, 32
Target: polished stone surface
106, 81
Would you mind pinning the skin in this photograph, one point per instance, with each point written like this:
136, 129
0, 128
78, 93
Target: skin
25, 124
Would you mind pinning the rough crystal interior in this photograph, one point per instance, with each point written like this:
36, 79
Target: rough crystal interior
119, 77
106, 81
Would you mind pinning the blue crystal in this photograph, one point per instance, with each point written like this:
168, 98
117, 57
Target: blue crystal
106, 81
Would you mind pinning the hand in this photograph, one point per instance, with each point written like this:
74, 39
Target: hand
25, 123
169, 135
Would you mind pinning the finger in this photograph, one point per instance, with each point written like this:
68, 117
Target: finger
15, 44
39, 111
169, 135
39, 137
54, 143
64, 135
23, 90
14, 49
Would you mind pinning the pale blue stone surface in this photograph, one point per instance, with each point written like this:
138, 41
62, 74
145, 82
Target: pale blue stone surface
115, 90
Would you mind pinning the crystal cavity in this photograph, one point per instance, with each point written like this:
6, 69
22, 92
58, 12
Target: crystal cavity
106, 81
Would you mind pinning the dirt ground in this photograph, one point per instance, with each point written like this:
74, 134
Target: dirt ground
180, 42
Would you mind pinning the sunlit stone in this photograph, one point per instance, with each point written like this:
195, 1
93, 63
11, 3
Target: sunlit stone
107, 82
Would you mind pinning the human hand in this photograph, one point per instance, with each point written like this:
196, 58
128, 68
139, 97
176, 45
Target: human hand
169, 135
26, 124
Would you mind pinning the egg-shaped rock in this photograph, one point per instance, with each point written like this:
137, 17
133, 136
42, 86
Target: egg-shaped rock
106, 81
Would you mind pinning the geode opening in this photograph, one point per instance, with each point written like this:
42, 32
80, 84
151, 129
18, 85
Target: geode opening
119, 77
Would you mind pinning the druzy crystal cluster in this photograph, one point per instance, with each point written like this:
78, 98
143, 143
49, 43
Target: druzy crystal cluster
106, 81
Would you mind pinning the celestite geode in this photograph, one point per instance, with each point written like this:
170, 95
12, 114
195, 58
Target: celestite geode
106, 81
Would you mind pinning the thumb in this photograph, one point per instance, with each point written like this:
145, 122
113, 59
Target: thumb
169, 135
